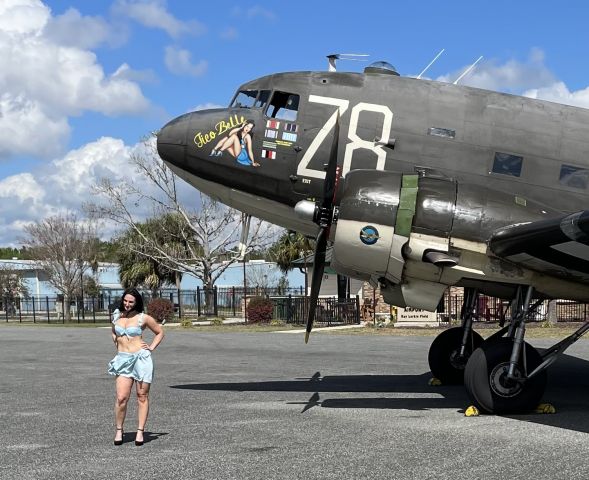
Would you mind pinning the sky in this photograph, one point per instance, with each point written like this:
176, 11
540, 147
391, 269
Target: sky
82, 83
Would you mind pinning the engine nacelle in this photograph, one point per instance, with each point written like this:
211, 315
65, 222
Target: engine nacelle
365, 245
388, 219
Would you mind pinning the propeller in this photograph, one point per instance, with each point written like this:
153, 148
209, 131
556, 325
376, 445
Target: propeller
324, 218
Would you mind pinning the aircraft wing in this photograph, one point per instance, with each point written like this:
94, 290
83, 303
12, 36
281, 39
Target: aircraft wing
557, 246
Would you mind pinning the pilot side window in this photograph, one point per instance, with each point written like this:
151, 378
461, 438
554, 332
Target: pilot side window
283, 106
507, 164
575, 177
245, 99
262, 99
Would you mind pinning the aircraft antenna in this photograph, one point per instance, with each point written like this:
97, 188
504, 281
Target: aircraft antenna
431, 63
467, 70
343, 56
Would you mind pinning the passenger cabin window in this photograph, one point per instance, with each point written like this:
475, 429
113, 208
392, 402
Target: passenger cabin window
245, 99
441, 132
507, 164
574, 177
283, 106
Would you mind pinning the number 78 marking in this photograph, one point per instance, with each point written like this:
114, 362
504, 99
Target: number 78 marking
355, 141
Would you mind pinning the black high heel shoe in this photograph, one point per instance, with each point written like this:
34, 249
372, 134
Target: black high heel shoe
119, 442
137, 442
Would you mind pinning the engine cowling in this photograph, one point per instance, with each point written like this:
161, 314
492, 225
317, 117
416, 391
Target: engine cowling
388, 219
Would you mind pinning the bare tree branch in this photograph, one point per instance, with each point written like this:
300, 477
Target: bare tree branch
201, 242
62, 246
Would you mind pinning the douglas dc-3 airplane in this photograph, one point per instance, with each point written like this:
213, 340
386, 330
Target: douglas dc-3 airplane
427, 185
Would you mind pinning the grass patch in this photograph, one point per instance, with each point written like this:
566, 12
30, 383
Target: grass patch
532, 331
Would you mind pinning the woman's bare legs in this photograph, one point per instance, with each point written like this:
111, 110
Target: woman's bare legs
219, 145
232, 145
142, 408
123, 389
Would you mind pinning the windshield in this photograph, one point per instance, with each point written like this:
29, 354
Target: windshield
251, 99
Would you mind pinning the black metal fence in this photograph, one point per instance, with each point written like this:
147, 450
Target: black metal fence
497, 310
290, 305
329, 311
192, 304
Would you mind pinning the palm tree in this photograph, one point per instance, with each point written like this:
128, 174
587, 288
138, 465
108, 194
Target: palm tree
138, 266
290, 247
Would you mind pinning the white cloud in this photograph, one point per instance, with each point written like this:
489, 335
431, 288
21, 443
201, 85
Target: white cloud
52, 81
27, 128
154, 14
65, 184
558, 92
23, 187
179, 62
512, 76
61, 186
530, 79
73, 175
125, 72
21, 17
85, 32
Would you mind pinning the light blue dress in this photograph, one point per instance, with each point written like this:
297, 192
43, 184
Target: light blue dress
136, 365
243, 157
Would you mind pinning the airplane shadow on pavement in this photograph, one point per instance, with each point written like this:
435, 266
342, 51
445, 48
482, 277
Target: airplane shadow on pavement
567, 390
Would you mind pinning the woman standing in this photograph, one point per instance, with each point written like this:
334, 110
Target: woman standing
132, 363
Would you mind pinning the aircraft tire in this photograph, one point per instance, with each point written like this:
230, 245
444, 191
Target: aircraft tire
443, 351
484, 379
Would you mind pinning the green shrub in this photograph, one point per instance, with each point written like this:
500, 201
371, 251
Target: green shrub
259, 310
216, 321
161, 310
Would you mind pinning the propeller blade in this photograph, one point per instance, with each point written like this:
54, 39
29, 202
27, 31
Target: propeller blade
324, 220
318, 268
330, 184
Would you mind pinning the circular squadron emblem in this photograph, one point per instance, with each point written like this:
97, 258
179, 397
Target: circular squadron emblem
369, 235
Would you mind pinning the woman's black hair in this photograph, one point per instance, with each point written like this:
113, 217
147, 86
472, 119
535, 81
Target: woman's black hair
247, 122
138, 300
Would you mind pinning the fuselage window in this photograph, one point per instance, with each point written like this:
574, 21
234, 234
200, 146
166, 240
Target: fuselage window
283, 106
262, 99
575, 177
441, 132
245, 99
507, 164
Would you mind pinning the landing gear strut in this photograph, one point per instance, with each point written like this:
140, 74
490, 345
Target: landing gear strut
504, 375
451, 349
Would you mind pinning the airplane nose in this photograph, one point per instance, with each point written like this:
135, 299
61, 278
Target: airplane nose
171, 140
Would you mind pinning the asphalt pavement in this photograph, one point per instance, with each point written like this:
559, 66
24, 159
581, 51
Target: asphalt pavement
267, 406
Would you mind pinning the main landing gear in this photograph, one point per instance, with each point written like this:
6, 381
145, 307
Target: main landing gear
503, 374
451, 349
508, 375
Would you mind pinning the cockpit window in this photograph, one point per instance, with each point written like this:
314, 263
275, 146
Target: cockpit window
283, 106
245, 99
262, 99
